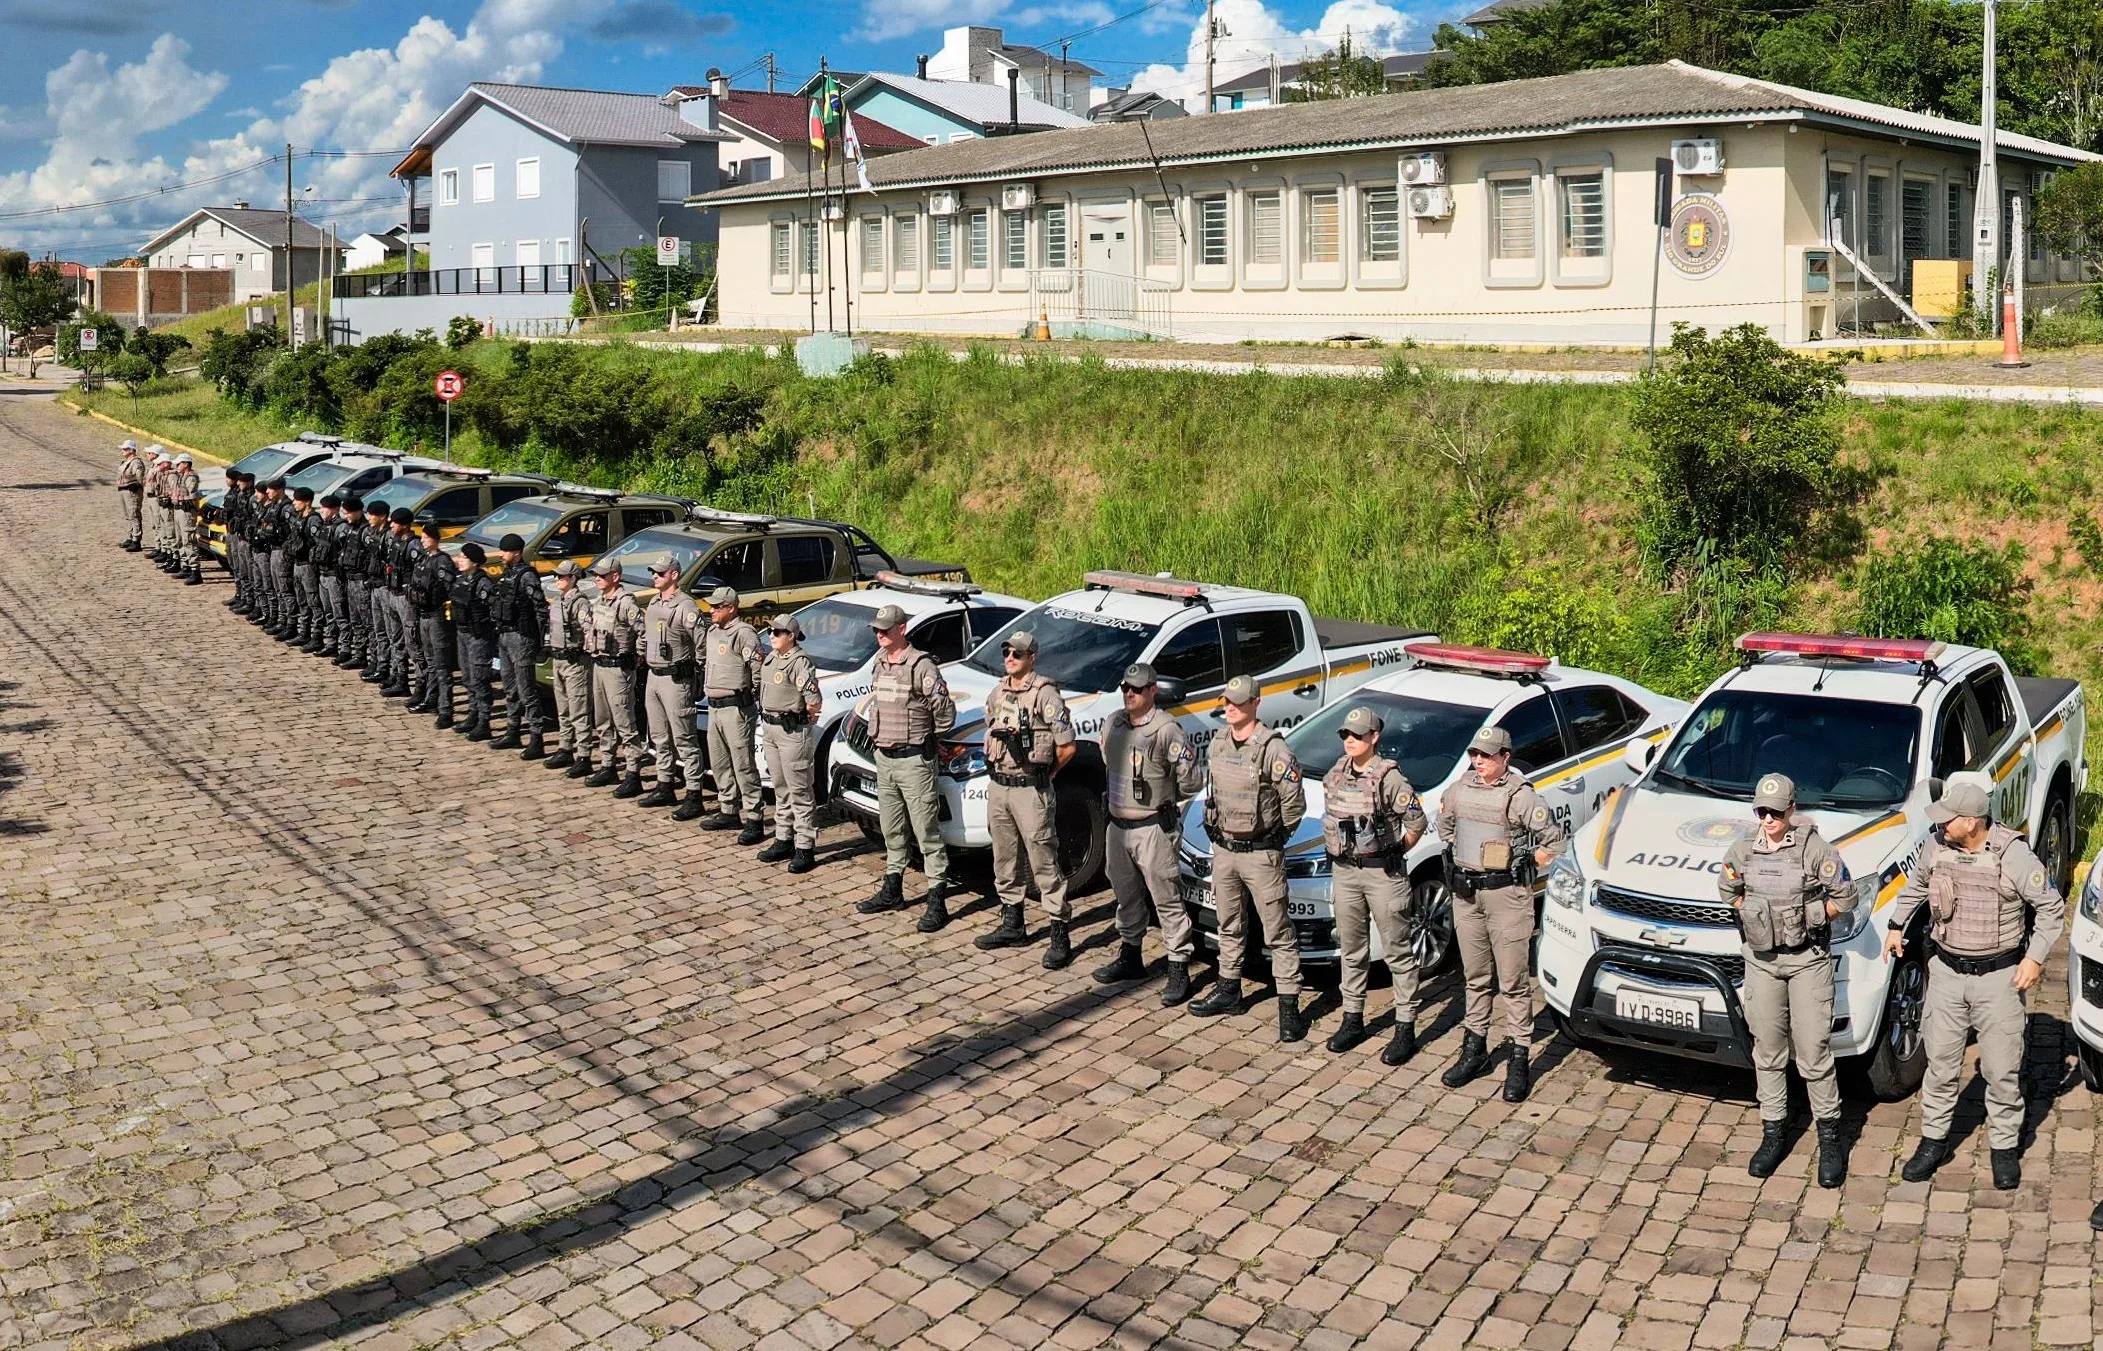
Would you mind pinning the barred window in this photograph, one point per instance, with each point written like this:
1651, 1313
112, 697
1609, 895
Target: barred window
1584, 215
1014, 240
1321, 232
978, 240
905, 243
810, 249
872, 246
1055, 239
1212, 231
1511, 219
944, 243
1163, 240
1876, 215
1380, 229
1916, 210
781, 251
1266, 213
1956, 228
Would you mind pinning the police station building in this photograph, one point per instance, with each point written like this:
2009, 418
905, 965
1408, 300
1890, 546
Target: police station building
1516, 212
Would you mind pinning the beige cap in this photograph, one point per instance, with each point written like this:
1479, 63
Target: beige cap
786, 624
1492, 741
1138, 676
1242, 690
1776, 792
890, 617
1960, 797
606, 567
567, 568
662, 563
1363, 721
1021, 642
721, 596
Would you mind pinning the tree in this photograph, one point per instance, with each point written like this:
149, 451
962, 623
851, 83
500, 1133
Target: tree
133, 371
158, 348
2070, 214
34, 301
109, 340
1339, 73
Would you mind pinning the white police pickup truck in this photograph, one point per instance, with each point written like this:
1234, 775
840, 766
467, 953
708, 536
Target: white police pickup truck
1638, 951
1569, 729
1196, 635
2084, 972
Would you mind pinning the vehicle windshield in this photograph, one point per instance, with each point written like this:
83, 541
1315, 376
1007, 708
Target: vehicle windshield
1424, 737
323, 478
632, 552
1840, 752
1076, 649
266, 462
524, 519
836, 633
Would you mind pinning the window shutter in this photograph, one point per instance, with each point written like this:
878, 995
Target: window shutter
1584, 215
1515, 225
1265, 211
1212, 231
905, 243
1383, 225
1324, 241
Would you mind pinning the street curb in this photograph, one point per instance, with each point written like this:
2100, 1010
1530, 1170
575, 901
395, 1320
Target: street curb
194, 452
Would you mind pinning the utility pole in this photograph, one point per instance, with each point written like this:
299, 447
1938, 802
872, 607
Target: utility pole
1066, 78
1986, 206
289, 289
770, 72
1274, 80
1211, 32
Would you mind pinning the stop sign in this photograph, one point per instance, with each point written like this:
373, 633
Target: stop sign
448, 385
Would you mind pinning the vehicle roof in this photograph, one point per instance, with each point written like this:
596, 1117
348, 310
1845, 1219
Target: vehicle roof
1148, 609
570, 501
918, 604
422, 473
352, 460
1447, 686
715, 533
1887, 682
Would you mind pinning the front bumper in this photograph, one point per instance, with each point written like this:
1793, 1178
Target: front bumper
2085, 981
960, 807
1306, 905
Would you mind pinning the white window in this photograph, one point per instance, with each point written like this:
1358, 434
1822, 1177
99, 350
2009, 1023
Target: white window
944, 253
485, 182
905, 245
1380, 225
261, 262
449, 187
1164, 242
675, 180
1511, 219
562, 251
484, 258
781, 250
1321, 229
529, 178
1266, 221
810, 251
1055, 238
932, 140
194, 260
1583, 214
873, 246
1014, 240
218, 260
956, 136
978, 243
1212, 231
528, 253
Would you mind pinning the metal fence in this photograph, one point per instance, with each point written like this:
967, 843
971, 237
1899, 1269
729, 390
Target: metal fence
1108, 300
544, 279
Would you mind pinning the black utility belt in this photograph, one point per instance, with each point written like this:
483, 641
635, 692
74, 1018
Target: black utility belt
607, 661
1979, 966
729, 701
663, 670
1808, 945
793, 721
905, 752
1256, 845
1360, 860
1033, 779
572, 653
130, 488
1158, 820
1487, 881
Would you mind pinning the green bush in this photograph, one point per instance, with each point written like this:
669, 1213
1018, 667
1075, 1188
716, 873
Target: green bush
297, 385
109, 339
235, 362
158, 348
1950, 591
462, 329
2066, 329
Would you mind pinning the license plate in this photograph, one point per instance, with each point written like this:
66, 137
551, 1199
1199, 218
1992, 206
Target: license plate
1660, 1009
1195, 893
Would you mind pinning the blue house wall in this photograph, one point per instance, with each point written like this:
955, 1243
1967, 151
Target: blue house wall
911, 116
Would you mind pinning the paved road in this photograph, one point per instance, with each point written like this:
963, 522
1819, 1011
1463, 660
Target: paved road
322, 1026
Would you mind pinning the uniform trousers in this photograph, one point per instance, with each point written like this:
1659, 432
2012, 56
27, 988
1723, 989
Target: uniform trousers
477, 651
434, 640
306, 580
571, 678
907, 805
668, 704
1254, 879
186, 535
790, 763
357, 601
335, 613
1140, 858
134, 514
1495, 929
401, 637
613, 710
1362, 898
1026, 846
1958, 1005
521, 694
1789, 1010
730, 738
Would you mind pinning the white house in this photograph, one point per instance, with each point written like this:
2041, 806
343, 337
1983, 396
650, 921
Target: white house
984, 56
249, 242
770, 133
371, 250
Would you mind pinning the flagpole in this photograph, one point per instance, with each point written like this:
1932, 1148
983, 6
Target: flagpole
846, 228
810, 223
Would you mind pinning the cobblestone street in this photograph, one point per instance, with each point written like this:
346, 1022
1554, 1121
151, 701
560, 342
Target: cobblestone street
325, 1027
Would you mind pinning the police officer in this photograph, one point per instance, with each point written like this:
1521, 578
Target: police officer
278, 525
182, 494
1152, 770
131, 494
306, 578
568, 633
1983, 888
430, 589
908, 709
327, 537
475, 626
1370, 819
521, 611
671, 648
404, 641
233, 511
379, 654
1788, 886
616, 624
1029, 739
157, 466
1499, 835
789, 705
730, 679
350, 581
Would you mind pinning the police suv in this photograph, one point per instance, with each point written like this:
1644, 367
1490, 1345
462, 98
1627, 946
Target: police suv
1638, 950
2084, 970
1569, 729
1196, 635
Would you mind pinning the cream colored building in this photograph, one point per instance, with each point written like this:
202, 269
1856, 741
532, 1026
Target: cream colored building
1517, 212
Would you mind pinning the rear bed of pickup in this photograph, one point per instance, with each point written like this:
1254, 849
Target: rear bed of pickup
2043, 696
923, 568
1335, 633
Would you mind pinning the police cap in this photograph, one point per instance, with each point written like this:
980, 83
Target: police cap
512, 544
302, 493
606, 567
331, 501
1021, 642
352, 502
662, 563
1138, 676
786, 624
1775, 792
474, 553
377, 507
430, 530
1242, 690
722, 596
183, 458
888, 618
1960, 797
402, 516
1363, 722
567, 568
1492, 741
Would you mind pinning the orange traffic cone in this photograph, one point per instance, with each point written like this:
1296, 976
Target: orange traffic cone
1044, 326
2011, 329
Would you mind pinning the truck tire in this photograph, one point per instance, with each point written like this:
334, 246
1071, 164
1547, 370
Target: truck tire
1079, 821
2055, 840
1431, 926
1899, 1061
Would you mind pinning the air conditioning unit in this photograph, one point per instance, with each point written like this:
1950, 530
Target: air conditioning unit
1017, 197
1430, 203
1424, 168
942, 203
1698, 157
833, 211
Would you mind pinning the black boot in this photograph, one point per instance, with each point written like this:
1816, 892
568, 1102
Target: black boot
1177, 990
1127, 966
936, 916
195, 576
773, 853
445, 718
1474, 1059
1402, 1046
1349, 1033
2095, 1219
1223, 997
1518, 1073
606, 777
1292, 1021
802, 861
535, 747
397, 690
660, 796
719, 821
1928, 1156
1832, 1154
465, 724
1774, 1147
2007, 1169
480, 731
753, 833
1012, 933
689, 806
510, 741
890, 895
632, 786
561, 759
1058, 954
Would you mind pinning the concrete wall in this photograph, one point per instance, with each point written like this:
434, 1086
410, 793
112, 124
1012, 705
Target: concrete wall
522, 315
154, 295
210, 243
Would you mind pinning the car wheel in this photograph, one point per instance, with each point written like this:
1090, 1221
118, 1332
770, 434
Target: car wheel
1431, 932
1079, 820
2091, 1066
2055, 843
872, 829
1570, 1034
1900, 1060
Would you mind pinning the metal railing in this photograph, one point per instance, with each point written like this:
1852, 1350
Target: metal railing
1079, 295
543, 279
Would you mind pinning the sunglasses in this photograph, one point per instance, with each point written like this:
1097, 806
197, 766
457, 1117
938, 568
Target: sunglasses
1767, 813
1007, 651
1348, 735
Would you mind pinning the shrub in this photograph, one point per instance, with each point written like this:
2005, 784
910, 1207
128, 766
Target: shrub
461, 330
404, 406
235, 362
297, 385
2076, 329
1950, 591
109, 339
158, 348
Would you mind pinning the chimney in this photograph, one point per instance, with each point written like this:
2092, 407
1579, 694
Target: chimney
718, 84
698, 112
240, 204
921, 66
1014, 100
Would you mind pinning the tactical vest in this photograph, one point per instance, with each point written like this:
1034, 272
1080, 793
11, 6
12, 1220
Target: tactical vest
1356, 823
1482, 824
1779, 884
898, 716
298, 542
185, 491
321, 541
1244, 802
1973, 905
562, 634
350, 548
727, 674
402, 556
1142, 781
1015, 740
612, 633
668, 642
781, 681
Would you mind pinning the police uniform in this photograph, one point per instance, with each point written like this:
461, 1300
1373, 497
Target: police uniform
306, 579
404, 642
156, 503
1026, 724
568, 636
351, 584
671, 646
615, 625
520, 609
376, 544
1781, 890
131, 494
1981, 904
1152, 769
1255, 801
182, 492
330, 621
730, 677
233, 506
430, 590
1370, 815
1492, 832
282, 523
475, 630
909, 706
789, 704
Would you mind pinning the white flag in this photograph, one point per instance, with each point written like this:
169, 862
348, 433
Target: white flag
854, 152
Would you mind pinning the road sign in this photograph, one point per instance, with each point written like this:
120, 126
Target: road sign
667, 250
448, 385
87, 340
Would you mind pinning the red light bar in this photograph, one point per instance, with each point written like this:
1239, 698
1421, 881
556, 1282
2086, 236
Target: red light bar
1142, 584
1483, 660
1837, 645
898, 581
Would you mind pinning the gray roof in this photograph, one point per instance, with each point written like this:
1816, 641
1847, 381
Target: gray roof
596, 116
1131, 102
264, 227
1028, 57
983, 104
1673, 94
1401, 65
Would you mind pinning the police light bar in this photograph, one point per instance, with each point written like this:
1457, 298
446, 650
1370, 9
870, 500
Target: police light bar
1495, 661
460, 470
896, 581
743, 520
1843, 645
585, 490
1144, 584
320, 439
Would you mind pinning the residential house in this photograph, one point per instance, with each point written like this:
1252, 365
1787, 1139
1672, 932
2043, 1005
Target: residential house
532, 189
389, 246
937, 112
251, 243
1253, 89
1133, 105
771, 132
1515, 212
983, 56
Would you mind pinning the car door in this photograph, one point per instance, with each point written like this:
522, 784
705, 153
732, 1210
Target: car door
2010, 756
740, 565
1598, 720
983, 621
1196, 658
582, 537
453, 510
1542, 754
805, 567
633, 519
1268, 645
942, 636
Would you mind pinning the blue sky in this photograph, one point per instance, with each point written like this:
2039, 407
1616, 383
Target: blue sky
124, 97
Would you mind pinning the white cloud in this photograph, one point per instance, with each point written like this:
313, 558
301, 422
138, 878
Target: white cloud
1254, 32
883, 19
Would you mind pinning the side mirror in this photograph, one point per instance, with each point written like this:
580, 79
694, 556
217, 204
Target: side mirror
1639, 754
1168, 691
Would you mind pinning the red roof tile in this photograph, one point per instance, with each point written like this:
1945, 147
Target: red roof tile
787, 117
